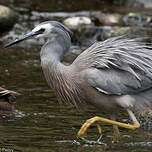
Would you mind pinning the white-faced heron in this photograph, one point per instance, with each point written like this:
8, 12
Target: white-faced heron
111, 75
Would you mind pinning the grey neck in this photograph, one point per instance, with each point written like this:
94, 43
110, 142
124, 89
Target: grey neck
55, 48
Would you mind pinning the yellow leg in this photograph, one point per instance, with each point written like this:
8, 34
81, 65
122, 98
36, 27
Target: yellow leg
89, 122
99, 128
116, 136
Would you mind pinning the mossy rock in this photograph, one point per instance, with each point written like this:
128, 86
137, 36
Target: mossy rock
7, 18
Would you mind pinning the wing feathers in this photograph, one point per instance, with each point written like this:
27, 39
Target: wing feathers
128, 62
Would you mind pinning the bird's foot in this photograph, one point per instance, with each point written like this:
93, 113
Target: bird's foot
87, 124
96, 119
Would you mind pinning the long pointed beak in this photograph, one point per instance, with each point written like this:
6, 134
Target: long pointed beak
22, 38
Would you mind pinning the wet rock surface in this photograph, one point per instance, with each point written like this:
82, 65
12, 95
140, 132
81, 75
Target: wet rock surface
132, 32
111, 19
133, 19
7, 18
87, 27
6, 110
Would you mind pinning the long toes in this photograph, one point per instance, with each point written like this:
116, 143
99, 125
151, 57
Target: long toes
86, 125
99, 128
83, 130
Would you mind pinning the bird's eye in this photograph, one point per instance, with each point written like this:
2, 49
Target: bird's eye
42, 30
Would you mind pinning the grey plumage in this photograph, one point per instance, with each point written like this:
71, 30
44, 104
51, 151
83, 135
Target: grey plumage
121, 66
59, 77
119, 53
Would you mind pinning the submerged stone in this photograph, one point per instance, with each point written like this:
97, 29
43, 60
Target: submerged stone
6, 109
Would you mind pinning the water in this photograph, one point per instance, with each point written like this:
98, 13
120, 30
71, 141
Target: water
40, 123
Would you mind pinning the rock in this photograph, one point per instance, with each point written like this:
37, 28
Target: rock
131, 32
72, 54
6, 106
138, 4
144, 3
111, 19
77, 22
7, 18
6, 109
85, 37
132, 19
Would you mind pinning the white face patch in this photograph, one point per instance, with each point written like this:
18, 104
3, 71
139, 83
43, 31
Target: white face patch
47, 27
47, 30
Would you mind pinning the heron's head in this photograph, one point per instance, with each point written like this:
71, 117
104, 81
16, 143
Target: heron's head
47, 29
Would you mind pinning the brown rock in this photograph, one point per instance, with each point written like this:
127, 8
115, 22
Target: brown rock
7, 18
